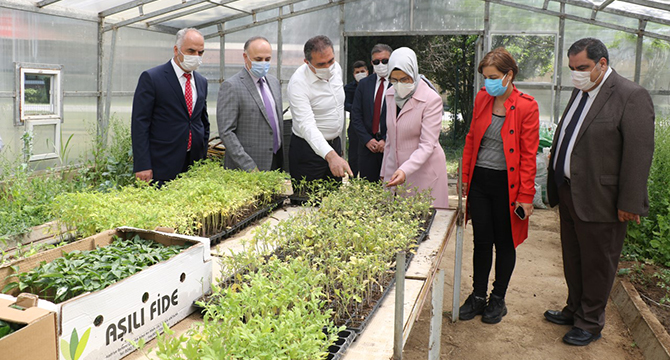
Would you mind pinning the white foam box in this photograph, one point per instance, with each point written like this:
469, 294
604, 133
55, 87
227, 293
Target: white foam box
101, 323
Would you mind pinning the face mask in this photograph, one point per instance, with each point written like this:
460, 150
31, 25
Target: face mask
402, 90
360, 76
259, 68
582, 79
381, 69
324, 73
191, 62
495, 87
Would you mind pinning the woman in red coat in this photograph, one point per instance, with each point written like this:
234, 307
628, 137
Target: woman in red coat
499, 178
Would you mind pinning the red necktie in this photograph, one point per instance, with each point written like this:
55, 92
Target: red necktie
378, 108
188, 95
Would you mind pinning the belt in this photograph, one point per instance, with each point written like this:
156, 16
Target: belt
332, 142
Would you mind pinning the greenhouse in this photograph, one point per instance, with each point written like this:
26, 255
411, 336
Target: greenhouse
68, 78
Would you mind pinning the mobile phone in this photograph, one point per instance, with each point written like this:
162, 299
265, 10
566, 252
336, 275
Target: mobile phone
520, 212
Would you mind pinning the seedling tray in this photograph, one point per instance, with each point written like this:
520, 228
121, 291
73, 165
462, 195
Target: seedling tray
277, 203
337, 350
427, 225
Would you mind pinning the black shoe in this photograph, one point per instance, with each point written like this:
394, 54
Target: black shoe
473, 306
557, 317
579, 337
495, 310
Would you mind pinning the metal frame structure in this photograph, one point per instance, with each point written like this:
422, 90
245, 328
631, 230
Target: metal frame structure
654, 11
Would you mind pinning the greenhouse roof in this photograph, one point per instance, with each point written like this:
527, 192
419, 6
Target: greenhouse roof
211, 15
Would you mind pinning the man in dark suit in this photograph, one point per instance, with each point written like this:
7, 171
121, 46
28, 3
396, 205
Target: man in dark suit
601, 156
249, 112
368, 114
360, 72
170, 126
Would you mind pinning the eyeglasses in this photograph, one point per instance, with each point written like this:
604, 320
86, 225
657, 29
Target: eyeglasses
377, 61
405, 80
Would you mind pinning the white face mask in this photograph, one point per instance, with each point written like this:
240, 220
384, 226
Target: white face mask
381, 69
323, 73
360, 76
582, 79
402, 90
190, 62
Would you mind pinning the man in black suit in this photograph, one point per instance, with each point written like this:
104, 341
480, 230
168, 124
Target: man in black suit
360, 72
368, 114
170, 126
601, 156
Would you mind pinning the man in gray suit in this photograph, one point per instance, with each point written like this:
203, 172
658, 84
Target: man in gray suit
601, 156
249, 112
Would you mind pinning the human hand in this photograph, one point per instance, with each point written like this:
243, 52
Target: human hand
380, 146
527, 208
338, 166
398, 178
626, 216
372, 145
464, 189
145, 175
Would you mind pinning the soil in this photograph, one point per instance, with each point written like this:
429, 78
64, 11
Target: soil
641, 275
537, 285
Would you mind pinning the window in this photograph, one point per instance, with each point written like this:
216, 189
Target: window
39, 107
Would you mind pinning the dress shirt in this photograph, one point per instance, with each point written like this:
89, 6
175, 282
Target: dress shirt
317, 107
271, 97
182, 81
592, 97
386, 86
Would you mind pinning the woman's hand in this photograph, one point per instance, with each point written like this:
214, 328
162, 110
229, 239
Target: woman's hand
527, 208
398, 178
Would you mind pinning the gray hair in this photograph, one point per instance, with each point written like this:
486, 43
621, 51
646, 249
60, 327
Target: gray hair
182, 33
381, 47
252, 39
318, 43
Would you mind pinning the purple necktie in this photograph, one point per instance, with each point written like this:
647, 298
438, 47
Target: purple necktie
271, 116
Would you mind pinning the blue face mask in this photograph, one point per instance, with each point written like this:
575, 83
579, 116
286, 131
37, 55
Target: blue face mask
495, 87
259, 68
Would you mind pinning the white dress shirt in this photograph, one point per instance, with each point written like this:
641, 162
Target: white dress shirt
592, 96
386, 86
317, 107
272, 100
182, 81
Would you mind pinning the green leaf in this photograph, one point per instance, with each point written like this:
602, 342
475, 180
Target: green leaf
65, 349
82, 344
74, 342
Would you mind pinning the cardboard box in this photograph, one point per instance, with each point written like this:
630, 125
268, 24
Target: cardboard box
36, 340
100, 323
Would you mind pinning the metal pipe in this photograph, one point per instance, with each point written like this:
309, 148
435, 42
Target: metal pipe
436, 317
458, 255
222, 52
399, 305
100, 105
638, 51
559, 66
108, 95
280, 44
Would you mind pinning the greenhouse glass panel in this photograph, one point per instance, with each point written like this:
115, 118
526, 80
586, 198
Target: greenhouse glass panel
235, 49
377, 15
544, 99
121, 109
136, 51
655, 69
509, 19
449, 15
534, 55
79, 122
44, 141
661, 106
622, 57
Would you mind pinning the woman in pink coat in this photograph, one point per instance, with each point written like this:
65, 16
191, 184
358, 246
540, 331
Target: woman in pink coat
412, 153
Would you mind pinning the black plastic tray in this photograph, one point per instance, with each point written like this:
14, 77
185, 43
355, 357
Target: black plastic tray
427, 225
345, 338
277, 203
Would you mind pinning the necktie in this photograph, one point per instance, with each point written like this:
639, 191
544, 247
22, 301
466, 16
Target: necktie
271, 116
559, 173
188, 96
378, 107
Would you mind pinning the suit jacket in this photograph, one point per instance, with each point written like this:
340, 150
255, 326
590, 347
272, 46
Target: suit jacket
349, 91
611, 158
244, 125
521, 137
412, 143
363, 109
160, 122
